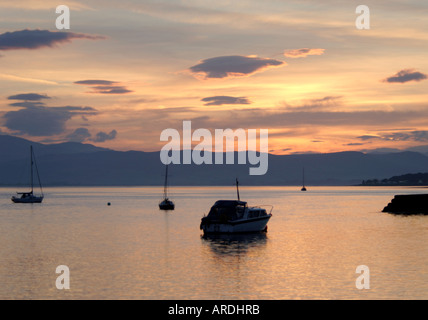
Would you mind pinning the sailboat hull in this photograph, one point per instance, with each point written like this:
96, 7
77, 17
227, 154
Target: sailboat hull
27, 200
166, 205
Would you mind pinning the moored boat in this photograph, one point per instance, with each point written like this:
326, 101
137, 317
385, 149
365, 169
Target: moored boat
166, 204
304, 187
235, 216
29, 197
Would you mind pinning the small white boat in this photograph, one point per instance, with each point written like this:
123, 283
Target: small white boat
29, 197
234, 216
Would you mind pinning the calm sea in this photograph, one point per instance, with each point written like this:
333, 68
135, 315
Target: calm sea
131, 250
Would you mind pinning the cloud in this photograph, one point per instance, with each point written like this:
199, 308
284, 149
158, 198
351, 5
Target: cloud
324, 112
41, 5
14, 78
319, 104
28, 97
36, 119
96, 82
304, 52
221, 100
111, 90
420, 136
233, 66
79, 135
27, 104
104, 86
102, 136
277, 118
35, 39
406, 75
368, 137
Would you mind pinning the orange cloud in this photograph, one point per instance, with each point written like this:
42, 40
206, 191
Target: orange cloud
304, 52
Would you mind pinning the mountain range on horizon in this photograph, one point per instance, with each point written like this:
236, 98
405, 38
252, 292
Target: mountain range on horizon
79, 164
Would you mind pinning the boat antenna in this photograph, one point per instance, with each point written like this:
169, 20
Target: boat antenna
237, 189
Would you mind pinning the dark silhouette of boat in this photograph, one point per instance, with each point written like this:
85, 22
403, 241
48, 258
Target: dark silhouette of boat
166, 204
234, 216
303, 188
29, 197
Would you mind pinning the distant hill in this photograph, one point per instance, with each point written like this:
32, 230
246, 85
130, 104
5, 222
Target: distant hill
77, 164
12, 148
415, 179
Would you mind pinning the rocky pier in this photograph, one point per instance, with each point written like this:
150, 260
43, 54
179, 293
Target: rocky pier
408, 204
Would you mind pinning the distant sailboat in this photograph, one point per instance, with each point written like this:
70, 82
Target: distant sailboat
303, 188
166, 204
29, 197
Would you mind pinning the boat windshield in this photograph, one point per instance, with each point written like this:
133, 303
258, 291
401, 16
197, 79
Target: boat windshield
228, 209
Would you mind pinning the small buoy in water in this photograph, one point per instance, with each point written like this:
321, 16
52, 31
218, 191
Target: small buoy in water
108, 203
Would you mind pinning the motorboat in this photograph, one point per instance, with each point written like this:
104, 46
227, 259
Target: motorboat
235, 216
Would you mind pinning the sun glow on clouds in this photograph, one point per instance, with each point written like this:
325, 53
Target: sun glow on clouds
304, 52
302, 71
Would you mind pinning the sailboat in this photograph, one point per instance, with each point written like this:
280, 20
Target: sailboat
166, 204
303, 188
29, 197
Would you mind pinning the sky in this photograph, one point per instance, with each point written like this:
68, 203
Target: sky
126, 70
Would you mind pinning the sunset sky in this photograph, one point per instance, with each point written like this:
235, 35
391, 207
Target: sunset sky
126, 70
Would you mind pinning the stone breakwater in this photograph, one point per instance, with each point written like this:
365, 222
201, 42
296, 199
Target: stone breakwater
408, 204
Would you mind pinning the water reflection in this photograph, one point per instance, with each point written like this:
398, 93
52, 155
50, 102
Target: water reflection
234, 244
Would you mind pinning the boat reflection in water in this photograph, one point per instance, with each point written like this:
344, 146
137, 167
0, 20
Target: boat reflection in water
233, 244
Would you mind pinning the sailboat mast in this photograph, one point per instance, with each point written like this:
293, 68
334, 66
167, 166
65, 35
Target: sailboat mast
237, 189
166, 183
31, 168
303, 177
